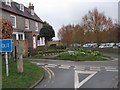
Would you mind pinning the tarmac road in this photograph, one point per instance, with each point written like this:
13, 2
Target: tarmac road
70, 74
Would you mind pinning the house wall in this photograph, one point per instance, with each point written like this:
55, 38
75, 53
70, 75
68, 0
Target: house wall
20, 27
29, 34
32, 26
20, 24
6, 15
57, 43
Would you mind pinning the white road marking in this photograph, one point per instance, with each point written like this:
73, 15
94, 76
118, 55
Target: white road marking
78, 84
112, 70
79, 68
51, 65
40, 64
95, 69
64, 66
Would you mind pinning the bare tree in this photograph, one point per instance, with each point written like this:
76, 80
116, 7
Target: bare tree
65, 35
96, 22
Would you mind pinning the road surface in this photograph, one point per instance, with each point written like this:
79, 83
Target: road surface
85, 74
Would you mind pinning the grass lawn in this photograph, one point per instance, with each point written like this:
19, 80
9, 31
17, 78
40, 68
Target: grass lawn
83, 55
31, 75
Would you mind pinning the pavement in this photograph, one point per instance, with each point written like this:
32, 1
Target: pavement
85, 74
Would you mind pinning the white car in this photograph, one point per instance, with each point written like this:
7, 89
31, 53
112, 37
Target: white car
107, 45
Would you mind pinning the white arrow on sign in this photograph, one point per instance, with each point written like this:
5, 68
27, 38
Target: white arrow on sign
78, 84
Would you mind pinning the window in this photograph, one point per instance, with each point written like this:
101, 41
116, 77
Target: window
32, 12
42, 41
13, 21
22, 7
20, 36
26, 24
36, 26
8, 2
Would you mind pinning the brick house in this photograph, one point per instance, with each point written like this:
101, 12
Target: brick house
25, 22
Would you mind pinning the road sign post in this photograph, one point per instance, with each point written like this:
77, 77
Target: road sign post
6, 59
6, 46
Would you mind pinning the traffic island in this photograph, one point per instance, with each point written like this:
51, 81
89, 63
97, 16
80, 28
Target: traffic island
83, 55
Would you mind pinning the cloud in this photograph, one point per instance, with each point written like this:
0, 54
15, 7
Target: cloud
59, 12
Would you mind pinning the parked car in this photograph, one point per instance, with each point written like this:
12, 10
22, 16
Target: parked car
90, 45
102, 46
107, 45
118, 45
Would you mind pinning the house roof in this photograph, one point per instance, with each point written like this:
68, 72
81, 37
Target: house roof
14, 9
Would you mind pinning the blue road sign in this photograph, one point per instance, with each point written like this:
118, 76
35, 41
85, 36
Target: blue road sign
6, 45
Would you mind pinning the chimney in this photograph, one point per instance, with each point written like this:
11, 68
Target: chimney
31, 6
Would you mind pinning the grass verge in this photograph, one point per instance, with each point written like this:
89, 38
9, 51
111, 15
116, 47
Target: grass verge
31, 75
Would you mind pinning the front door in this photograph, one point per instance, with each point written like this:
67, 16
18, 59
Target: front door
34, 42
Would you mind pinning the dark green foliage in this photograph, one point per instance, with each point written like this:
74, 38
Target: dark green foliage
47, 31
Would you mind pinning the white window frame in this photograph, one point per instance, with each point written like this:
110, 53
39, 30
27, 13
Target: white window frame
14, 21
36, 26
8, 2
32, 12
27, 24
17, 35
22, 7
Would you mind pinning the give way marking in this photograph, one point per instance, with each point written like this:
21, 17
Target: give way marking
78, 84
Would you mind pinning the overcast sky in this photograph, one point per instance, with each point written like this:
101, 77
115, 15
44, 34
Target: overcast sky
63, 12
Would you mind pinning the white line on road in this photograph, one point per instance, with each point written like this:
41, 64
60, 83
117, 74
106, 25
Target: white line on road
64, 66
40, 64
112, 70
78, 84
79, 68
51, 65
95, 69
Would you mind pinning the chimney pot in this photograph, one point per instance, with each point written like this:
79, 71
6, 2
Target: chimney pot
31, 6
